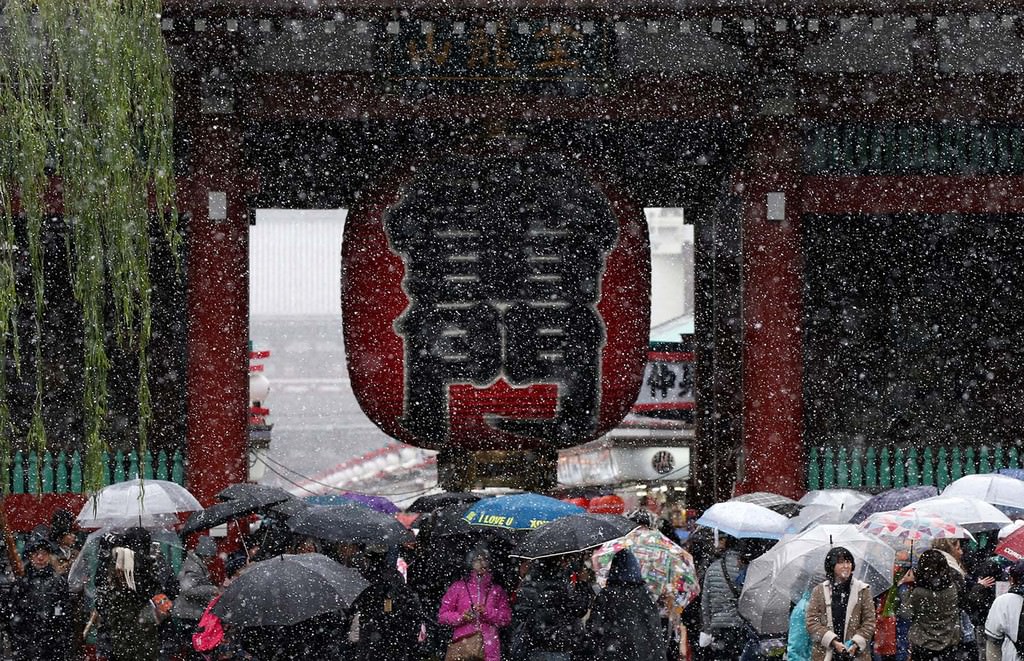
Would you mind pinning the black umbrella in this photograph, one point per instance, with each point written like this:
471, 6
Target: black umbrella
289, 589
447, 521
218, 513
570, 534
350, 524
435, 501
237, 500
256, 493
288, 508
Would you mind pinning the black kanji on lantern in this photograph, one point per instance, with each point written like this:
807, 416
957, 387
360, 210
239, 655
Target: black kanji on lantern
503, 260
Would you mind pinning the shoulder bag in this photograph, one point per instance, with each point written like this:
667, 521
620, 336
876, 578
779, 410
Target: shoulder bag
471, 646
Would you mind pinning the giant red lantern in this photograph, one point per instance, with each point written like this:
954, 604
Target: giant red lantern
496, 302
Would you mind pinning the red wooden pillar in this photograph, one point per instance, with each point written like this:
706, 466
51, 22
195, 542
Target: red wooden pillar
218, 309
773, 451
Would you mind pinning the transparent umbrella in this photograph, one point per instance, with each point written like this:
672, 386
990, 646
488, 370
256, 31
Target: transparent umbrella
842, 499
146, 503
1003, 491
740, 519
777, 579
82, 573
817, 515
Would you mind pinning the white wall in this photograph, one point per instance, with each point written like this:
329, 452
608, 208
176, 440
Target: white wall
672, 274
295, 262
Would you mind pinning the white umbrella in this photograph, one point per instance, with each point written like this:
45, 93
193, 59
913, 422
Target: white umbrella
841, 499
1010, 528
797, 563
741, 520
148, 503
1002, 491
817, 515
971, 513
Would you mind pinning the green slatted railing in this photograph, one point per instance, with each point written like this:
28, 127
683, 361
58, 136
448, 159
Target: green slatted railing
62, 473
886, 468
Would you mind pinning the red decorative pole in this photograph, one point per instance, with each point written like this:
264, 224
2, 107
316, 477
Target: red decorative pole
218, 309
773, 450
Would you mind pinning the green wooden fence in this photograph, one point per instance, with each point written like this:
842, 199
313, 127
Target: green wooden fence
918, 148
62, 473
888, 467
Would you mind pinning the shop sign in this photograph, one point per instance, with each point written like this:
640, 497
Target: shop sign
499, 49
668, 383
609, 465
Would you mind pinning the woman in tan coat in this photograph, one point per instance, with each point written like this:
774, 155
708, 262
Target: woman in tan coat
841, 614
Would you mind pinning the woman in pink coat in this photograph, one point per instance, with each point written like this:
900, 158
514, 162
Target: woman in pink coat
477, 602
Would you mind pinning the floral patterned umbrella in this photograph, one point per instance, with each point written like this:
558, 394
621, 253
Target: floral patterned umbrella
665, 566
911, 530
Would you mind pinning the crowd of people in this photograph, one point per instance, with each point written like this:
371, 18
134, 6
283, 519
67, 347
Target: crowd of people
459, 597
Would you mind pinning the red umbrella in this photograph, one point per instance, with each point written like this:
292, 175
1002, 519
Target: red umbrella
1012, 546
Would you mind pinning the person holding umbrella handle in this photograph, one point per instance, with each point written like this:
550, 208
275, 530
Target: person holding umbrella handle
476, 608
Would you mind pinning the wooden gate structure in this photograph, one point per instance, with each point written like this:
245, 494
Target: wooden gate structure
772, 124
757, 117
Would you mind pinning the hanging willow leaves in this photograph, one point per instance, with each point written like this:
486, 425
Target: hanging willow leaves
85, 108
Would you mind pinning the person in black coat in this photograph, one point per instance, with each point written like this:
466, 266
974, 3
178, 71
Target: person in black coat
127, 580
40, 608
389, 612
547, 615
624, 624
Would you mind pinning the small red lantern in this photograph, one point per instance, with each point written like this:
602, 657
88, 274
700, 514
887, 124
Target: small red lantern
607, 505
579, 502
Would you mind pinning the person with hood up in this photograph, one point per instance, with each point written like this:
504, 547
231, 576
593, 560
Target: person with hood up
624, 623
798, 642
389, 613
933, 608
40, 607
476, 603
841, 613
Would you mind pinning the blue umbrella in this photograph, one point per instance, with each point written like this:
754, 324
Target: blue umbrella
524, 511
893, 499
1017, 473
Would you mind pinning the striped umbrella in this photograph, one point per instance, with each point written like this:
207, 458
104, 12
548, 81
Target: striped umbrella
773, 501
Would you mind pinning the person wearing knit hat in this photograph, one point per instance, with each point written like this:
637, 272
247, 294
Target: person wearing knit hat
841, 613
